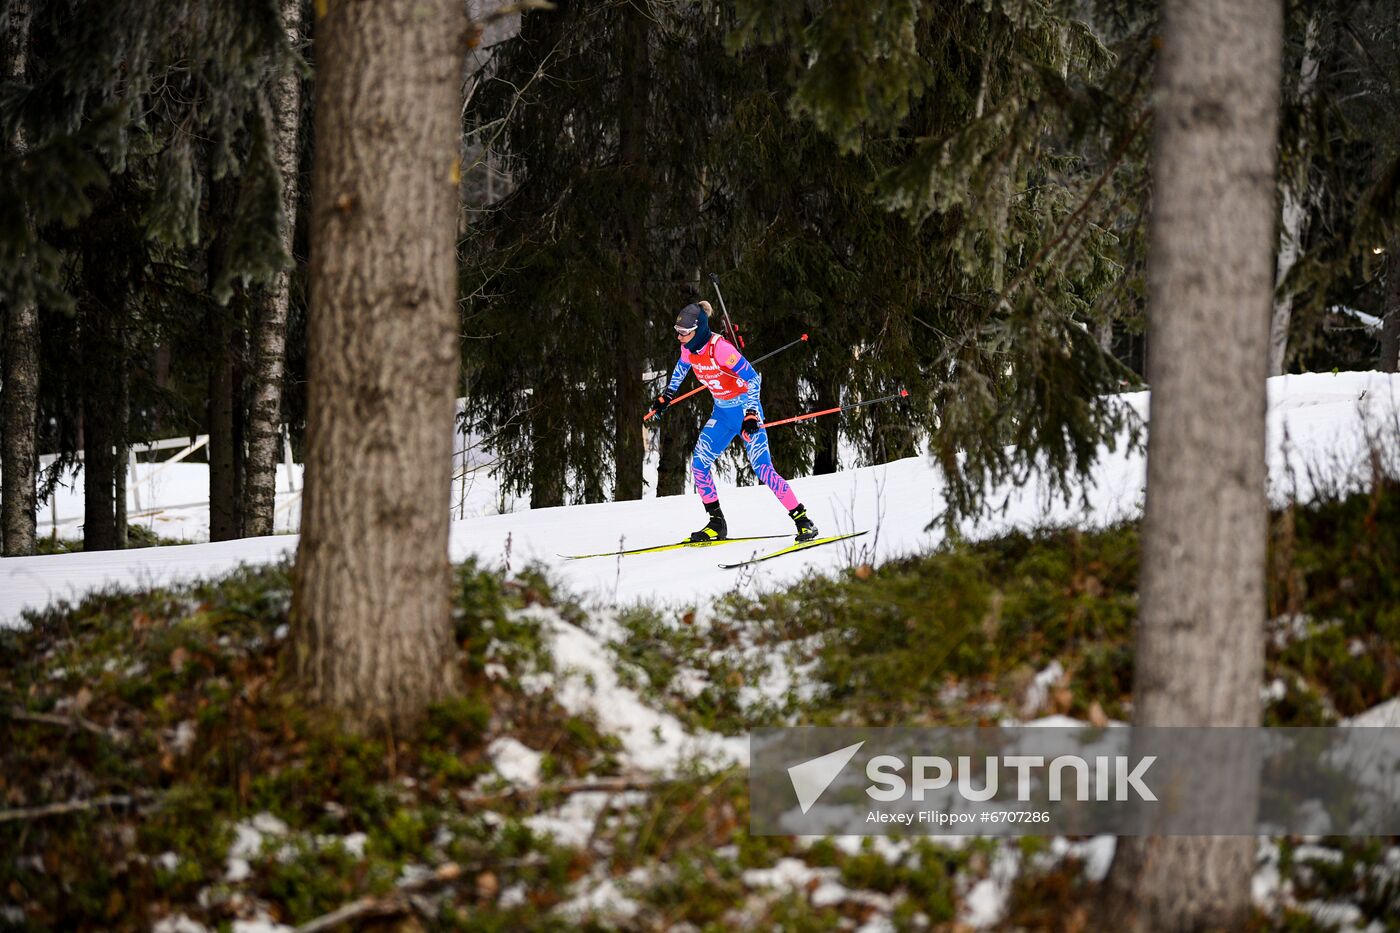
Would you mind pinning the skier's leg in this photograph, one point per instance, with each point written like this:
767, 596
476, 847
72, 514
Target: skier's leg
762, 461
717, 434
756, 446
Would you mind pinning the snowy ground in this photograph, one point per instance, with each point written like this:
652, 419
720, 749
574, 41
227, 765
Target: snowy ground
1316, 423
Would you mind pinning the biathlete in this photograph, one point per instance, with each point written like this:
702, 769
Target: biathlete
734, 383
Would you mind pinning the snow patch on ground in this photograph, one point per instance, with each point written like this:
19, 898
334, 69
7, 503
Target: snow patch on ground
516, 762
984, 904
1039, 690
598, 899
587, 682
572, 822
260, 925
175, 923
248, 837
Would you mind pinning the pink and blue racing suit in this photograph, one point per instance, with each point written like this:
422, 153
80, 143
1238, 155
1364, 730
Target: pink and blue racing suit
735, 385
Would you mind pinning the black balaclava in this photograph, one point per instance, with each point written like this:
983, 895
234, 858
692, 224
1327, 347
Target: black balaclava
694, 315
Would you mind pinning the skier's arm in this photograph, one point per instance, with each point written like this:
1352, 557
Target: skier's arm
678, 375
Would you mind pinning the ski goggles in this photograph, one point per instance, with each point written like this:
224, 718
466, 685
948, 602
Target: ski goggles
682, 331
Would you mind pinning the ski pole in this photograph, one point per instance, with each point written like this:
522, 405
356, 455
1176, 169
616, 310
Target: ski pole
680, 398
790, 343
831, 411
738, 338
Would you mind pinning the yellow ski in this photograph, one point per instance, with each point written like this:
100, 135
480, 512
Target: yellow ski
670, 547
815, 542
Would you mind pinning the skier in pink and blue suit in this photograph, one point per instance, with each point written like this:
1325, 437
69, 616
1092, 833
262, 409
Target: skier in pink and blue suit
735, 385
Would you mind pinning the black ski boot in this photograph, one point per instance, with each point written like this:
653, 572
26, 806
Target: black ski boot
806, 530
716, 530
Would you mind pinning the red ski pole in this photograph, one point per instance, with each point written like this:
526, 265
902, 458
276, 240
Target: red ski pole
902, 393
790, 343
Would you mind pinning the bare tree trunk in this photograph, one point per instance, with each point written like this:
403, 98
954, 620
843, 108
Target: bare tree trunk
223, 452
628, 390
123, 454
1200, 637
21, 364
1390, 326
101, 354
1293, 224
1103, 336
269, 339
223, 491
372, 603
548, 439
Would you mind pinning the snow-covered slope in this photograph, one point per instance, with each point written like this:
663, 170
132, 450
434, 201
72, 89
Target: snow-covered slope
1316, 424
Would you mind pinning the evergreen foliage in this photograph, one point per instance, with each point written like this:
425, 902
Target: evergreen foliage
131, 113
948, 197
900, 182
1353, 127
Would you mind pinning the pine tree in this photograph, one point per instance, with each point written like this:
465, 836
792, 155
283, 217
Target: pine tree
1294, 193
19, 419
817, 226
1199, 659
371, 606
141, 108
566, 266
1350, 134
961, 104
1390, 322
269, 336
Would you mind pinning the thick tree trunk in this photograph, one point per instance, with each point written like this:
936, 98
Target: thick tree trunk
223, 489
269, 339
548, 439
372, 603
1293, 224
123, 456
224, 517
1200, 643
102, 356
1390, 326
21, 401
240, 420
21, 364
628, 390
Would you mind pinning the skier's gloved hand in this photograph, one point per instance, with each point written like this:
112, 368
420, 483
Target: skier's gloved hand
750, 426
662, 400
